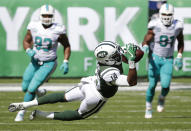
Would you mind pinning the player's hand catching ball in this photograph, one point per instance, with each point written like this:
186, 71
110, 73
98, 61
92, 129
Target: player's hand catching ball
131, 51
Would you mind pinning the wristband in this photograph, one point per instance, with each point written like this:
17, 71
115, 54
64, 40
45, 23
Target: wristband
131, 64
65, 60
179, 55
28, 49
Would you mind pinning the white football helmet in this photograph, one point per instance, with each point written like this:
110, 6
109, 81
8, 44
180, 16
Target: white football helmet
166, 14
47, 10
108, 53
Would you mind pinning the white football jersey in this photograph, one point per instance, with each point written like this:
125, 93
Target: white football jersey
165, 37
45, 40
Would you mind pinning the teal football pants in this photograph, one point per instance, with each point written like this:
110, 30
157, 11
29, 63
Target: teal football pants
159, 68
34, 76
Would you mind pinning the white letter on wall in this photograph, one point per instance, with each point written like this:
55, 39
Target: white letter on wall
87, 63
181, 14
12, 27
114, 27
86, 31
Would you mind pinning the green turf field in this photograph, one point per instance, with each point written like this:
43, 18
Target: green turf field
123, 112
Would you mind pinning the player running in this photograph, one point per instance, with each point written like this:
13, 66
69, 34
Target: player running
93, 95
40, 43
164, 30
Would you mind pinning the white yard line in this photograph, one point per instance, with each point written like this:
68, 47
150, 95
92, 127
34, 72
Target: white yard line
64, 87
97, 123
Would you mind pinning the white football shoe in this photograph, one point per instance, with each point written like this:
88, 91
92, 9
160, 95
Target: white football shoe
160, 108
15, 107
148, 113
20, 116
161, 101
33, 115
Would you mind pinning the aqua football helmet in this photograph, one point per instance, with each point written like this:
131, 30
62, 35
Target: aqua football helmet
47, 14
166, 14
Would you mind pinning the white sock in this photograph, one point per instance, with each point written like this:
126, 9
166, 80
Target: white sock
48, 115
148, 105
21, 112
30, 103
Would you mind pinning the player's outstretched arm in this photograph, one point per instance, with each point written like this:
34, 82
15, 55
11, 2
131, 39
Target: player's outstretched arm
63, 39
180, 39
131, 55
28, 44
178, 62
147, 39
131, 78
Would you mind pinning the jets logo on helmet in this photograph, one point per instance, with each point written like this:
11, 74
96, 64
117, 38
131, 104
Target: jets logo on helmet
102, 54
47, 14
166, 13
108, 53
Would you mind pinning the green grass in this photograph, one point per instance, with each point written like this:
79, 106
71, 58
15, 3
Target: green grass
124, 111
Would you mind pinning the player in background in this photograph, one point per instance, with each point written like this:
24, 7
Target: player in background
93, 95
40, 43
165, 30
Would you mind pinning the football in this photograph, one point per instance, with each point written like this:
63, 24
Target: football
139, 54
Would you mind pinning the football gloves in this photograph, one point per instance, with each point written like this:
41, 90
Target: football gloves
131, 51
64, 67
30, 52
178, 63
145, 49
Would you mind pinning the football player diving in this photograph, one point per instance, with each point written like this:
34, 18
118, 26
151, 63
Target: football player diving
164, 30
92, 95
40, 43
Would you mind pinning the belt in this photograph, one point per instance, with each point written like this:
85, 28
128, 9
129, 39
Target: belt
42, 62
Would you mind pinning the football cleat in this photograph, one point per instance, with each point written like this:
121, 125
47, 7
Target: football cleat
20, 116
160, 108
40, 92
148, 114
161, 101
15, 107
33, 115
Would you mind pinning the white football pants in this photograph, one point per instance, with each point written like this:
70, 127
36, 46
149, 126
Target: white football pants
91, 100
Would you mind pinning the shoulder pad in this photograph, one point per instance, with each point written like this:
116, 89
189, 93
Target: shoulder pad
152, 23
60, 29
179, 24
32, 24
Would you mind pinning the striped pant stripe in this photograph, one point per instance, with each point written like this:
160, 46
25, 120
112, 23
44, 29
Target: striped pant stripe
94, 110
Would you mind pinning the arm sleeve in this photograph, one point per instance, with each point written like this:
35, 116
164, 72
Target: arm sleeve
122, 81
180, 24
151, 24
